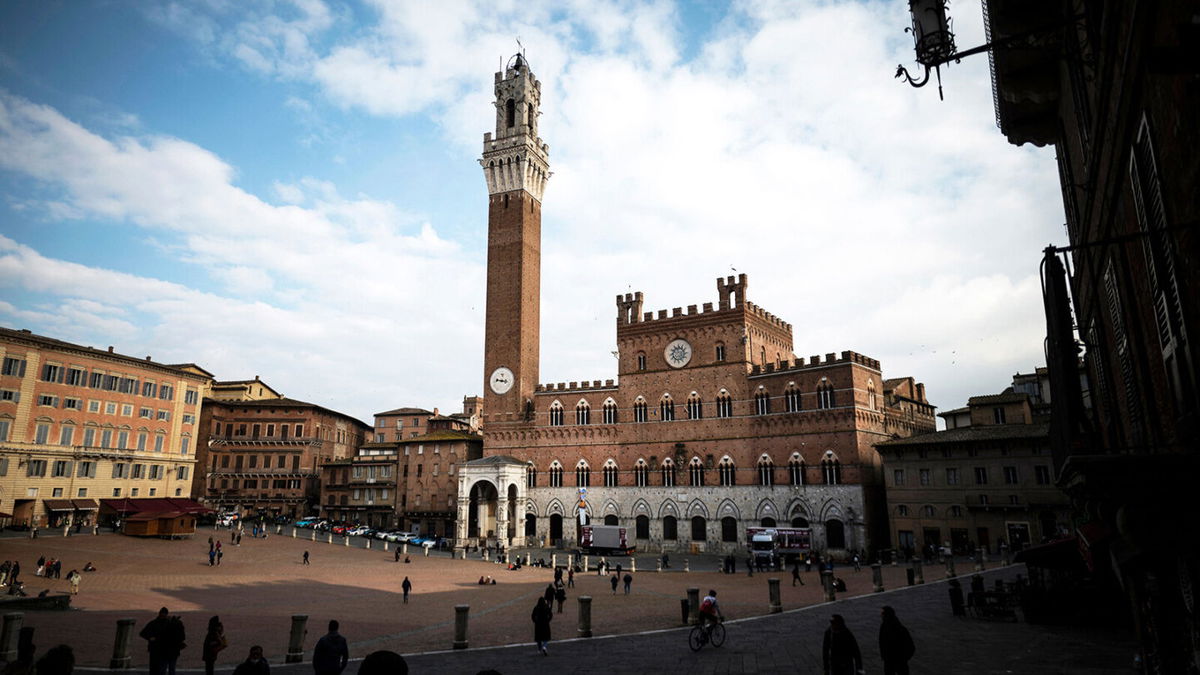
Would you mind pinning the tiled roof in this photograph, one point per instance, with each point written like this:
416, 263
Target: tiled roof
444, 436
1006, 397
982, 432
405, 411
280, 403
11, 334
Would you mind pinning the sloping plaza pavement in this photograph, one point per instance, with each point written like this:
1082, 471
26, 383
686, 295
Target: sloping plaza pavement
262, 583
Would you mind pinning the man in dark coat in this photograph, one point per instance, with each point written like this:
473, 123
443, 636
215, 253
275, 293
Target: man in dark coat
541, 616
895, 643
839, 652
407, 588
164, 637
331, 653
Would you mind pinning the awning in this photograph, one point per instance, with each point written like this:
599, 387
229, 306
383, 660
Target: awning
5, 515
1062, 554
58, 505
85, 504
145, 516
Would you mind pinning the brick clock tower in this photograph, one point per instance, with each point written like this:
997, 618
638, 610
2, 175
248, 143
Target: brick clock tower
516, 165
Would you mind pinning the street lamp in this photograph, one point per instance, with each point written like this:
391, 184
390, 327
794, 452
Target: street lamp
934, 41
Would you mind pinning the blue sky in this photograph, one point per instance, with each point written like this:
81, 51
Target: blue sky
290, 189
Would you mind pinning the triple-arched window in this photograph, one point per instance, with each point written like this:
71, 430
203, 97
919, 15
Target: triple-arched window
791, 398
610, 474
641, 473
726, 472
695, 408
762, 402
583, 474
696, 472
825, 394
583, 413
666, 408
530, 476
766, 471
610, 411
668, 473
724, 404
796, 469
639, 410
556, 414
831, 469
556, 473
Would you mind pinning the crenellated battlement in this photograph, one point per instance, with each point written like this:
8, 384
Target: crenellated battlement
575, 386
731, 294
767, 316
815, 361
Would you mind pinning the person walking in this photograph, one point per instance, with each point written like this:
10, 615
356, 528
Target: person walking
397, 554
571, 578
331, 653
407, 588
254, 664
796, 574
306, 557
214, 642
560, 595
895, 643
541, 616
749, 566
73, 578
548, 594
614, 584
164, 636
220, 554
628, 579
212, 557
839, 651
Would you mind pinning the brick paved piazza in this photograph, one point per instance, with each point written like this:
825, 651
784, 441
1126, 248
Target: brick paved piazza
262, 583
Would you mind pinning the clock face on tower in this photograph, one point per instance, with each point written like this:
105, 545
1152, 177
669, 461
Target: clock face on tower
501, 380
678, 353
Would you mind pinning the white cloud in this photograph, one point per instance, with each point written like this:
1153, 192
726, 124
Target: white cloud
871, 215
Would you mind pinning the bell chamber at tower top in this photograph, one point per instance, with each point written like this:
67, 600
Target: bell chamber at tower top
516, 158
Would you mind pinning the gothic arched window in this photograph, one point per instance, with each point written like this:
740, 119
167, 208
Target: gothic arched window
796, 470
639, 410
666, 408
791, 398
556, 472
766, 471
696, 472
610, 474
583, 413
762, 402
871, 397
556, 414
530, 476
610, 412
831, 470
641, 473
583, 475
668, 473
825, 397
724, 404
726, 472
510, 113
695, 408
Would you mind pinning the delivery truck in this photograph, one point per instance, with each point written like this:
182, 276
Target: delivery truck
605, 540
778, 545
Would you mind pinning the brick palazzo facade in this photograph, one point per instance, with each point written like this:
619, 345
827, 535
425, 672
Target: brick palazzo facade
78, 423
714, 425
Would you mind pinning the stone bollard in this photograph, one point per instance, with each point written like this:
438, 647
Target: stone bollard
385, 545
314, 535
585, 616
658, 565
330, 539
877, 577
120, 657
293, 533
980, 560
528, 558
827, 585
404, 550
553, 561
8, 636
585, 564
460, 626
918, 570
633, 565
295, 650
346, 539
486, 554
278, 530
950, 567
693, 595
463, 553
426, 550
686, 566
368, 544
775, 605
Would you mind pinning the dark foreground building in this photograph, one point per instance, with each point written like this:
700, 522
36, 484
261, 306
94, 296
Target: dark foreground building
1115, 87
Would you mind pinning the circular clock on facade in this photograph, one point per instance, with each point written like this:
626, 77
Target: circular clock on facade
501, 380
678, 353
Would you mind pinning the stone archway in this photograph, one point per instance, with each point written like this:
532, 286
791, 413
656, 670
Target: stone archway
482, 513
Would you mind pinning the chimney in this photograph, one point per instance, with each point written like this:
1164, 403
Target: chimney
110, 349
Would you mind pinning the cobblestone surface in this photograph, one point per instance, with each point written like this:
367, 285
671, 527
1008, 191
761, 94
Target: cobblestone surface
262, 583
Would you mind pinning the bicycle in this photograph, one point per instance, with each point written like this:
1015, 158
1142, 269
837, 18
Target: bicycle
707, 633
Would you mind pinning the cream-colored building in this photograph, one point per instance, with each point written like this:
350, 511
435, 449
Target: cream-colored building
79, 424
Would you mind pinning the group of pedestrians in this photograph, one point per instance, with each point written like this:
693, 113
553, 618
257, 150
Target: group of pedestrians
10, 573
840, 654
627, 579
214, 552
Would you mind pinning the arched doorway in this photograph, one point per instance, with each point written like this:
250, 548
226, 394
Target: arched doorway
835, 534
481, 515
642, 527
729, 531
768, 522
799, 521
556, 527
530, 525
699, 528
511, 516
610, 519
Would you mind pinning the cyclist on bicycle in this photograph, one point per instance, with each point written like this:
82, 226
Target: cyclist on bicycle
710, 611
